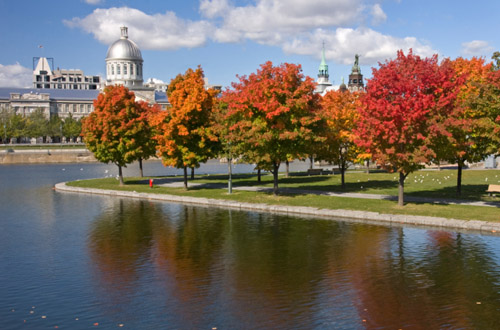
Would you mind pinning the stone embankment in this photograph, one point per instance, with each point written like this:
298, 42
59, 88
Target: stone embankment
46, 156
350, 215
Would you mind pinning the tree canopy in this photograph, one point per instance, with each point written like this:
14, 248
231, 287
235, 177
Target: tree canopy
116, 129
272, 115
395, 117
184, 132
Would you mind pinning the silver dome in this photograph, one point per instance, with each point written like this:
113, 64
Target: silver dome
124, 49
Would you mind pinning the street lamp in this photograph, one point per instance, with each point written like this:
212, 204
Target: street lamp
230, 169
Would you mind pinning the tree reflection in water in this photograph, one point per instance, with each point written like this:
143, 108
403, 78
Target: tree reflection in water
197, 267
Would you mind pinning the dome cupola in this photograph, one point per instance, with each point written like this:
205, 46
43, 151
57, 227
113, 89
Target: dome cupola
124, 62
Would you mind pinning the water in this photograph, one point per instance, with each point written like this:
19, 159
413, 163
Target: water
77, 261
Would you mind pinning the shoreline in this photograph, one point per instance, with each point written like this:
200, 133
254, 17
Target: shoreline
483, 227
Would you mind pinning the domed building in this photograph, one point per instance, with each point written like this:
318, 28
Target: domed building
124, 62
124, 67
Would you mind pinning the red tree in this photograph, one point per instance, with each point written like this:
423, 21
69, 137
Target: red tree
117, 130
271, 116
395, 117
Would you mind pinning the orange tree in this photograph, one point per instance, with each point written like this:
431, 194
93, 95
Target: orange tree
271, 116
402, 98
486, 104
117, 131
339, 111
460, 136
184, 132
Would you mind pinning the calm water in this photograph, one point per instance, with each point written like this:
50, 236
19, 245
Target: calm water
76, 262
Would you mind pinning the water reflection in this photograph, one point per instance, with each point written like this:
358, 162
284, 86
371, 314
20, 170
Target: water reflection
211, 267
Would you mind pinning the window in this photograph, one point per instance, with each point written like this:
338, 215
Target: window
118, 69
112, 69
125, 68
132, 69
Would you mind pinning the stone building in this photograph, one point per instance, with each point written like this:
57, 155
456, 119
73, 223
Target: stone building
61, 102
65, 92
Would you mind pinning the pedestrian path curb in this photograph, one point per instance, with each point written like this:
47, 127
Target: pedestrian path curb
338, 214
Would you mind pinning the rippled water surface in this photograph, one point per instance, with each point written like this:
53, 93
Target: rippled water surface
76, 261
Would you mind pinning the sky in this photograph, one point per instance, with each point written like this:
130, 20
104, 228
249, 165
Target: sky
234, 37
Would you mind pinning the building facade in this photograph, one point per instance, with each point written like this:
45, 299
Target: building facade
60, 102
45, 77
64, 92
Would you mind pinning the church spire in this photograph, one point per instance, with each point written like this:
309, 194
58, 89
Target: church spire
323, 82
323, 67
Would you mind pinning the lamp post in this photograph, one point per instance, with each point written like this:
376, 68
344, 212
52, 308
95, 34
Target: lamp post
230, 181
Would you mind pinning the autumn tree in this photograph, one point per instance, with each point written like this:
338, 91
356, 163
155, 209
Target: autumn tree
460, 136
402, 97
272, 116
339, 111
115, 130
183, 132
486, 104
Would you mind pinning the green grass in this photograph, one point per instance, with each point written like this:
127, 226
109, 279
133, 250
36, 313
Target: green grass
437, 184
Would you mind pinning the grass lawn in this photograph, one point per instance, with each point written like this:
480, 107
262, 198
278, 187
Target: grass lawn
438, 184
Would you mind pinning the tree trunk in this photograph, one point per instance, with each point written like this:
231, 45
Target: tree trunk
459, 178
192, 173
140, 167
401, 189
287, 168
120, 175
259, 179
342, 173
230, 176
185, 177
276, 166
311, 165
368, 166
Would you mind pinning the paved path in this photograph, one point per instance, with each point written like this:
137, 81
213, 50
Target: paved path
176, 183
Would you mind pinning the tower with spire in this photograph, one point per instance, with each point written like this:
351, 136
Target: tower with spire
323, 81
356, 83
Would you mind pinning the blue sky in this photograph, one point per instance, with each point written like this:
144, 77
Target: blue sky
229, 37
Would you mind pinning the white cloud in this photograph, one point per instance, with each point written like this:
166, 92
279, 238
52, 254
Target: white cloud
378, 15
214, 8
476, 48
15, 75
271, 22
342, 43
160, 31
297, 26
94, 2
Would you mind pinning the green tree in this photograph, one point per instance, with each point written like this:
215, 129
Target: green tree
72, 127
37, 124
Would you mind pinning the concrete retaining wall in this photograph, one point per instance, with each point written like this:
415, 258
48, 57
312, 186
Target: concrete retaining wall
46, 156
483, 227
